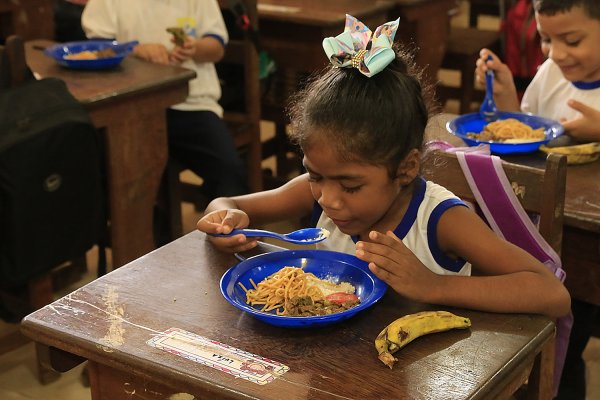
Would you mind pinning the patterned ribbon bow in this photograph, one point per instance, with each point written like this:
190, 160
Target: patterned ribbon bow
351, 48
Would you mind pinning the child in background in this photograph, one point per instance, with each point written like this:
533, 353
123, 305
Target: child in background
566, 88
198, 137
360, 126
67, 20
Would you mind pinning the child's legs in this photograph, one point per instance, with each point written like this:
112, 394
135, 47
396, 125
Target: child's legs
572, 383
201, 142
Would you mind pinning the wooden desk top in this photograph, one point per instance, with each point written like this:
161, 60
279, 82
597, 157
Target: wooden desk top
132, 76
319, 13
292, 30
582, 197
110, 321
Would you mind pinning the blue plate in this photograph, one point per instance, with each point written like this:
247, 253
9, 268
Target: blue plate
338, 267
474, 123
59, 51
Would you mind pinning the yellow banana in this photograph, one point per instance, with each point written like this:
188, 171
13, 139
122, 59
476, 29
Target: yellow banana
404, 330
577, 154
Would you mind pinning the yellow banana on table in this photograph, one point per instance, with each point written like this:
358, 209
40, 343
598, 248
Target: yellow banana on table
404, 330
576, 154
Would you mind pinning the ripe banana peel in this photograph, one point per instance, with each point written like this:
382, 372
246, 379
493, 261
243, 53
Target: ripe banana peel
577, 154
404, 330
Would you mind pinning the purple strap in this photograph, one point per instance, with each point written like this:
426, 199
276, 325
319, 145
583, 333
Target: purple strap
507, 218
502, 208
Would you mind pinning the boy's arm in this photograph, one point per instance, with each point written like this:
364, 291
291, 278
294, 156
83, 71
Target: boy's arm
210, 39
505, 92
201, 50
585, 128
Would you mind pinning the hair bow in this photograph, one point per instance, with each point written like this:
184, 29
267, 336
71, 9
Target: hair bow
351, 48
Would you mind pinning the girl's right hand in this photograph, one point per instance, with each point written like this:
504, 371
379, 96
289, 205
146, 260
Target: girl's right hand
224, 221
505, 92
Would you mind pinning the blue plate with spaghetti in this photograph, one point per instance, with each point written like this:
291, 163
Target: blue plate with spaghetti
94, 54
329, 265
474, 123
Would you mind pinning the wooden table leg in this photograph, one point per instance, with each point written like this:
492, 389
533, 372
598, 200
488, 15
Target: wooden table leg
541, 380
136, 147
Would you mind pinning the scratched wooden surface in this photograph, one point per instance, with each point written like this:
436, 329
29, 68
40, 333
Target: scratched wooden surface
110, 320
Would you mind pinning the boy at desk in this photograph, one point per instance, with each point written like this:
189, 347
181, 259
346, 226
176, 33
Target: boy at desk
566, 88
198, 137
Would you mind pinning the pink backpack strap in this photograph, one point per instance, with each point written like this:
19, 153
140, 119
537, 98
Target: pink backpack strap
506, 216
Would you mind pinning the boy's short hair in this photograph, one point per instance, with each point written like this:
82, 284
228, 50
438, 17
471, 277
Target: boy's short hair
551, 7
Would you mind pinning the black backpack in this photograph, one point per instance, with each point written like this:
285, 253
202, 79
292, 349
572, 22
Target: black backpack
51, 184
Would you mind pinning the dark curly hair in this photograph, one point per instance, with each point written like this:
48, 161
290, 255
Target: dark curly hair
377, 120
551, 7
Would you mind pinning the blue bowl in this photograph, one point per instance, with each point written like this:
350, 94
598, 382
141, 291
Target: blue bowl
338, 267
474, 123
60, 51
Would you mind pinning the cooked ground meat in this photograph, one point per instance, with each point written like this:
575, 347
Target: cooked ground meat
304, 306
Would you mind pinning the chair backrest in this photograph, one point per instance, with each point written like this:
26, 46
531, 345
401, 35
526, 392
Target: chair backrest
241, 58
540, 192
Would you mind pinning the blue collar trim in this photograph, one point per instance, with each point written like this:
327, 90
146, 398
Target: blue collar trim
586, 85
411, 213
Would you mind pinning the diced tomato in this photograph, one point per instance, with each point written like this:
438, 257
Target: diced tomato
341, 297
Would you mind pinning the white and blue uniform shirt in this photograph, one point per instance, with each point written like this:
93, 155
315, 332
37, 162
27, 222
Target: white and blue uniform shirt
418, 229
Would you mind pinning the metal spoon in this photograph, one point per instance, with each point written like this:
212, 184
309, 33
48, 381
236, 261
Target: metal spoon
301, 236
488, 109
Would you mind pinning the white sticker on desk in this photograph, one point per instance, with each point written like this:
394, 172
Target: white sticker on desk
211, 353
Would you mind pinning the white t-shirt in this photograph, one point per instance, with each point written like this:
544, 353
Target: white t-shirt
418, 229
549, 91
147, 20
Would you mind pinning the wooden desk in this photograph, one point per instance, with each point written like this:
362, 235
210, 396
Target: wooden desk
292, 30
426, 24
110, 321
581, 233
128, 104
30, 19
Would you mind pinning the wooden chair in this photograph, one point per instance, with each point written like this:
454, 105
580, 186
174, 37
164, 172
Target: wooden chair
464, 44
485, 7
462, 54
243, 122
540, 192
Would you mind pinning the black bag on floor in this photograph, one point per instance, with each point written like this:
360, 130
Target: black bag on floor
51, 186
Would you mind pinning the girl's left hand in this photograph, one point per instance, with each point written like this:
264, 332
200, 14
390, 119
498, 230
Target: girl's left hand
391, 261
585, 128
185, 52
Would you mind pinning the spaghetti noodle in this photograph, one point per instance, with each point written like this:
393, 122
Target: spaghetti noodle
508, 130
277, 290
